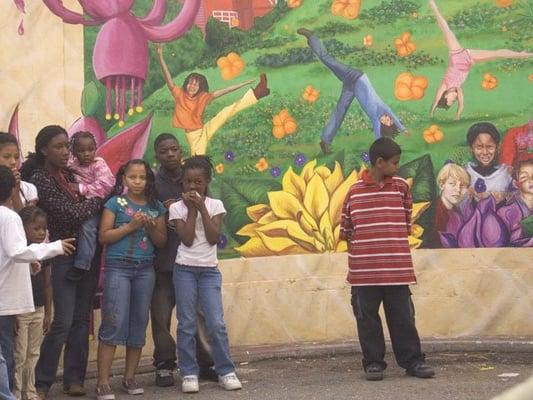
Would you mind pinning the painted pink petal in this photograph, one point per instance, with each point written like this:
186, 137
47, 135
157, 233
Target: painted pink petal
494, 233
14, 128
89, 124
156, 14
20, 30
20, 5
126, 145
176, 28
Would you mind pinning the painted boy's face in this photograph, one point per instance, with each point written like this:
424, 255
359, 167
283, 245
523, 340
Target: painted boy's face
452, 191
525, 178
193, 86
168, 153
386, 120
484, 149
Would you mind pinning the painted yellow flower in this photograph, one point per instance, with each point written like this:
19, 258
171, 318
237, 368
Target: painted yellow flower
302, 218
219, 168
417, 231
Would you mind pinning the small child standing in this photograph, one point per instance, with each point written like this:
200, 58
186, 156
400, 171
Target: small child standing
32, 326
376, 221
132, 226
197, 279
15, 281
95, 179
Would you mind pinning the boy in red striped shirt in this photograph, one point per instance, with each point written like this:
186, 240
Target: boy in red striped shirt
376, 221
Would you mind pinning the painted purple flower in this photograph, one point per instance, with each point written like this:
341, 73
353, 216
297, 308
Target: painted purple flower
480, 186
300, 159
275, 172
476, 225
365, 157
222, 242
229, 156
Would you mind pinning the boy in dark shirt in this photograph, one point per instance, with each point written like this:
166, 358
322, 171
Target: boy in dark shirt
168, 191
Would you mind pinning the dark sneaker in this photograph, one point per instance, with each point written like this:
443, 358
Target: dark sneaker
261, 90
74, 274
421, 370
164, 378
374, 372
131, 386
208, 373
75, 390
305, 32
326, 149
104, 392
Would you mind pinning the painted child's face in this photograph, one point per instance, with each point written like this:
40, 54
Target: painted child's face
389, 167
135, 179
36, 230
484, 149
451, 97
525, 178
193, 86
85, 150
452, 190
195, 180
386, 120
168, 153
9, 155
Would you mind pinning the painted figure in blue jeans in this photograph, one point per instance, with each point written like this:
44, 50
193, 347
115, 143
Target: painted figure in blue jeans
132, 226
355, 84
197, 280
66, 211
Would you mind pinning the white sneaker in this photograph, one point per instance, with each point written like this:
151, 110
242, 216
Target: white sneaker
189, 384
230, 381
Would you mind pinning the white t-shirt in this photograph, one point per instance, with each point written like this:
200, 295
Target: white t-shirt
499, 181
28, 192
201, 253
15, 255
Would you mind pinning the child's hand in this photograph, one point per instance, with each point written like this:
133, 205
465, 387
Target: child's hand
138, 220
188, 199
197, 200
16, 174
68, 246
47, 321
35, 267
150, 224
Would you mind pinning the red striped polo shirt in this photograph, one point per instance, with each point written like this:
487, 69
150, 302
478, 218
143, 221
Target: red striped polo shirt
376, 221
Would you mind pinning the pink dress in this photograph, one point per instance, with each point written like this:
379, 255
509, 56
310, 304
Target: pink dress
460, 63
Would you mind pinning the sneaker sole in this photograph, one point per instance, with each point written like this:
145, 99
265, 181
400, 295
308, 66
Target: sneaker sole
190, 391
374, 376
230, 389
105, 397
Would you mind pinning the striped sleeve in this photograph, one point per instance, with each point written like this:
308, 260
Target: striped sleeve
347, 227
408, 206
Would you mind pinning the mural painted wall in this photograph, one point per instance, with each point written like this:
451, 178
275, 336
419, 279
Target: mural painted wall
287, 114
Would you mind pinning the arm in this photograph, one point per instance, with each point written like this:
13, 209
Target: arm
109, 235
229, 89
186, 229
347, 227
460, 103
408, 206
47, 283
156, 230
164, 67
438, 95
211, 226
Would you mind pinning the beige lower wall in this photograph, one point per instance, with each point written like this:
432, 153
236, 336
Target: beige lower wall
296, 299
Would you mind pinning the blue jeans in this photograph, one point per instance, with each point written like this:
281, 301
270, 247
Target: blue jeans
7, 334
128, 288
73, 303
348, 76
86, 244
5, 393
200, 285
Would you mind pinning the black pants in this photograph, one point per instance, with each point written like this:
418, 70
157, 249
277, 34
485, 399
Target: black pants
400, 315
163, 302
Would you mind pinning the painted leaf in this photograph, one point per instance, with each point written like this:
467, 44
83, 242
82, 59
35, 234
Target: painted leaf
89, 99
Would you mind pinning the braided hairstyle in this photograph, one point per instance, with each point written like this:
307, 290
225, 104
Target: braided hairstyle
80, 135
199, 162
29, 214
149, 190
36, 160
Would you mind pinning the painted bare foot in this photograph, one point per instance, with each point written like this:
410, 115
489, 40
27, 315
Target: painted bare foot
262, 90
305, 32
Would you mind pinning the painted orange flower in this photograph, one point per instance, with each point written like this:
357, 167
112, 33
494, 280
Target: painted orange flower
489, 82
504, 3
530, 77
230, 66
283, 124
348, 9
410, 87
311, 94
219, 168
404, 45
433, 134
235, 22
368, 41
262, 164
294, 3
